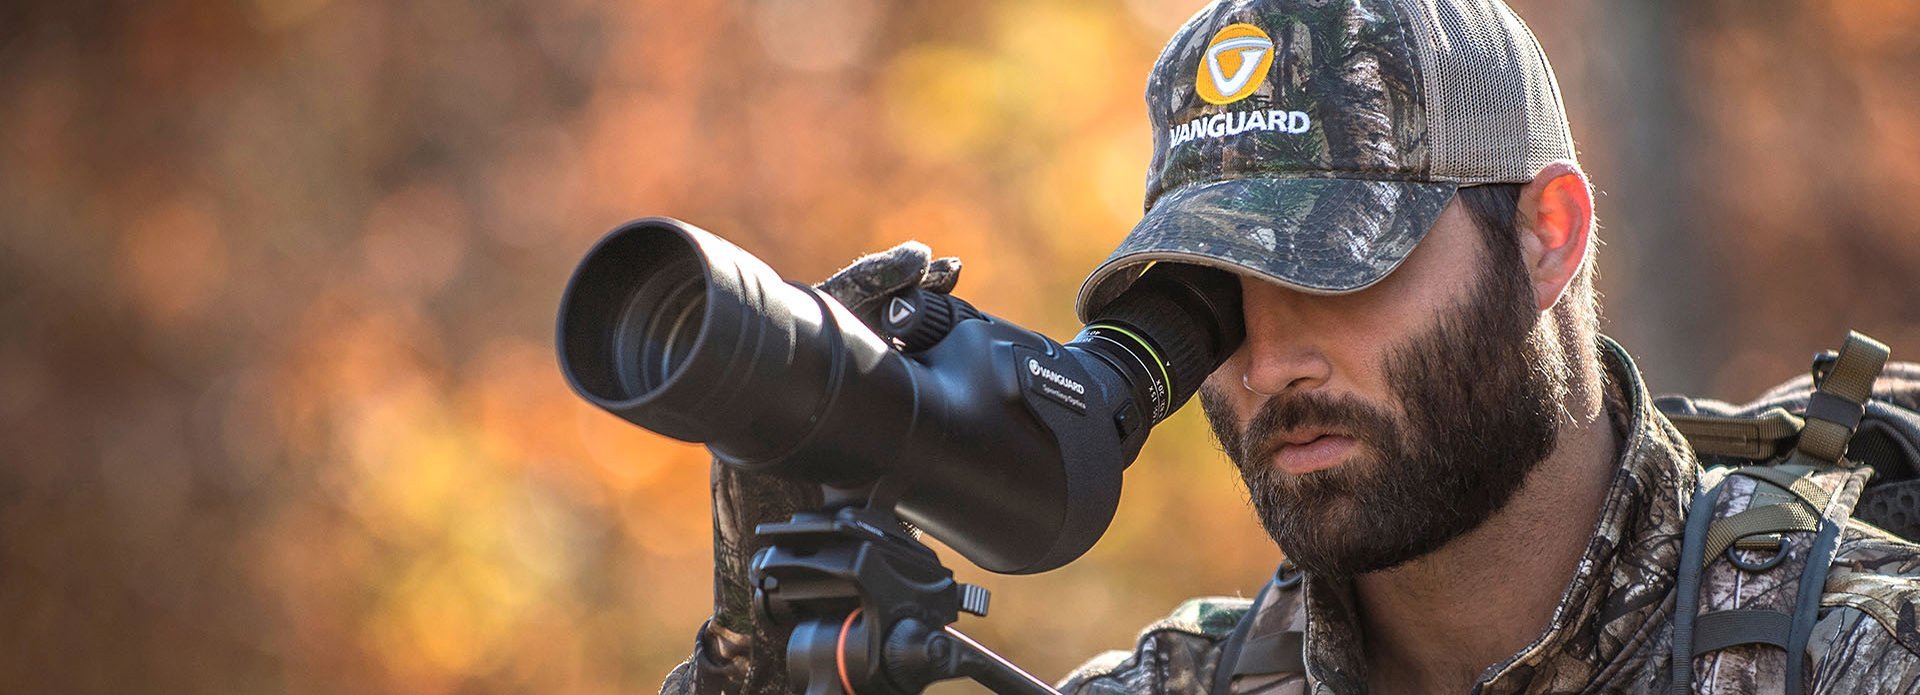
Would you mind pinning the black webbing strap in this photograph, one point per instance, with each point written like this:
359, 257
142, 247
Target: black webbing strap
1722, 629
1686, 601
1280, 652
1235, 646
1835, 409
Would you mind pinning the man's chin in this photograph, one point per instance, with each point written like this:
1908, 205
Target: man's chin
1348, 560
1335, 534
1330, 532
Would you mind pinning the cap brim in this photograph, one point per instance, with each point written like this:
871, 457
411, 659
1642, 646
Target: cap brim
1322, 236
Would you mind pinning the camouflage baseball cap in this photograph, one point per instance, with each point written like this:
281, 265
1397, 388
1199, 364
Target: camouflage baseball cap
1314, 142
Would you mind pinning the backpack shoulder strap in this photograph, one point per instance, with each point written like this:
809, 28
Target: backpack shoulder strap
1760, 541
1263, 649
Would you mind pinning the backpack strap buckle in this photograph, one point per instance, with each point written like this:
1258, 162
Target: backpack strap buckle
1756, 437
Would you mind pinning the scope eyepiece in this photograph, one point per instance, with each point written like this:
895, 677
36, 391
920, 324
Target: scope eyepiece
1169, 330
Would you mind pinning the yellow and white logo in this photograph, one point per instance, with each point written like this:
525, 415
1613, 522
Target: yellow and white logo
1235, 65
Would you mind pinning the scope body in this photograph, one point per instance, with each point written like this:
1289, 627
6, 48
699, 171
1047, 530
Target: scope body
1005, 444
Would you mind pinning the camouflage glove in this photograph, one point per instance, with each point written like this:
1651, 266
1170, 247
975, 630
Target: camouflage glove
865, 285
735, 652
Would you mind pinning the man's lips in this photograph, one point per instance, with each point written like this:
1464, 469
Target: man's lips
1305, 451
1298, 437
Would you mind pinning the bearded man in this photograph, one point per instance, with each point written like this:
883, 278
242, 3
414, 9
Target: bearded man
1470, 484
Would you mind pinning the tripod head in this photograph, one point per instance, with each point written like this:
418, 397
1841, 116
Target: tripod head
871, 608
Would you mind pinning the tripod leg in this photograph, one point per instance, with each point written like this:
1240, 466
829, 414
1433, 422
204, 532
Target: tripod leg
994, 671
916, 655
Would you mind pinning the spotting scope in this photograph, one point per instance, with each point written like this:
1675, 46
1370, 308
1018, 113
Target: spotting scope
1002, 443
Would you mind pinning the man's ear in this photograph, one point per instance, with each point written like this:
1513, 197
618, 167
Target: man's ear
1556, 229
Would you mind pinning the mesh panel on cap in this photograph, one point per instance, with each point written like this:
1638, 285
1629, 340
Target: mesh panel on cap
1493, 107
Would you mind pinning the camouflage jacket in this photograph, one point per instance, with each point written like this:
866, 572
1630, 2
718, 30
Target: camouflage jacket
1612, 629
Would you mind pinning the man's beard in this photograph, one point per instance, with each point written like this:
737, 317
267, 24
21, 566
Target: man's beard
1481, 394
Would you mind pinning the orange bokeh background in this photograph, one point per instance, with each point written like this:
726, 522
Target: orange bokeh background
278, 400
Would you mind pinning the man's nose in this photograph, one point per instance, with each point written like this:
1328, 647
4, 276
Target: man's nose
1280, 350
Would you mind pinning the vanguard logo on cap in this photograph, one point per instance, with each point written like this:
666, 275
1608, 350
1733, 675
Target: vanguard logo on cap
1236, 63
1250, 51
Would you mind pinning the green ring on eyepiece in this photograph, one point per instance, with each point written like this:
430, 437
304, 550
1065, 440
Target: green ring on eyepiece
1158, 362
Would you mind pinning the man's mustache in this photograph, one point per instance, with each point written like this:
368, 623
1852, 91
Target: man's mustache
1347, 416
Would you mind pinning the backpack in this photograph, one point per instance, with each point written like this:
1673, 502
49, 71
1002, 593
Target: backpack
1782, 476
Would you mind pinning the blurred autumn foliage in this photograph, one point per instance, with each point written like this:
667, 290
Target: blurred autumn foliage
278, 403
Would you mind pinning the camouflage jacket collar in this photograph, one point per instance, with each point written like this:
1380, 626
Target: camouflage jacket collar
1612, 615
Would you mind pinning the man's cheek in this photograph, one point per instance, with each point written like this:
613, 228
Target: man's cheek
1223, 418
1214, 394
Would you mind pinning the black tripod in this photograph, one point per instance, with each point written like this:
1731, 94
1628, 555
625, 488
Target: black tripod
871, 608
